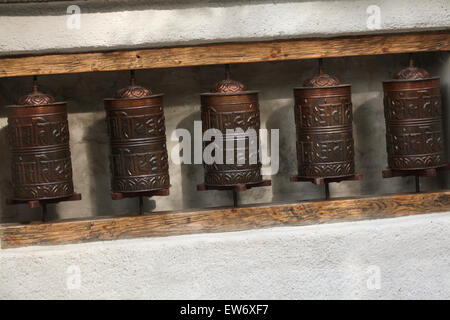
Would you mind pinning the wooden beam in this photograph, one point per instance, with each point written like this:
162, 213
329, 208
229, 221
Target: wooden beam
225, 53
223, 219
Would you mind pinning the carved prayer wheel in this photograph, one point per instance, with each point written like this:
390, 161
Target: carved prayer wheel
323, 118
413, 114
234, 111
39, 140
135, 119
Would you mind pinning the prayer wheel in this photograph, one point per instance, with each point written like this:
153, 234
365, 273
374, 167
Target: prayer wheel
233, 111
413, 114
323, 118
38, 134
135, 119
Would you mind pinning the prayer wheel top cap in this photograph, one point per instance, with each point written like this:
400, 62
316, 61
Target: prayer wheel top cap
322, 80
133, 91
36, 98
228, 86
412, 73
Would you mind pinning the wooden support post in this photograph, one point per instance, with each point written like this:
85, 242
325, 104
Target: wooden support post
141, 205
327, 191
235, 189
44, 212
235, 198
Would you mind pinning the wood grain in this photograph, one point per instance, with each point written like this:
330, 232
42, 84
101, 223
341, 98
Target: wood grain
222, 219
210, 54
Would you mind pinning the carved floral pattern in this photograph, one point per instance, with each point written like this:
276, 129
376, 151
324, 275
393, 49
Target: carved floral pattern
233, 177
141, 183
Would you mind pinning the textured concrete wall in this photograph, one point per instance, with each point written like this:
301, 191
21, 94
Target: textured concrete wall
401, 258
42, 27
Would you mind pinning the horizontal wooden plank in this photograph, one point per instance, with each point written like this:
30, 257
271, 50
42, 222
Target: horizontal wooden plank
223, 219
210, 54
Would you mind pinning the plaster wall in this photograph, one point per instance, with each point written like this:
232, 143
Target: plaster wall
401, 258
38, 27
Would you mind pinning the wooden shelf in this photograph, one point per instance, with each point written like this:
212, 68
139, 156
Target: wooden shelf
222, 219
244, 52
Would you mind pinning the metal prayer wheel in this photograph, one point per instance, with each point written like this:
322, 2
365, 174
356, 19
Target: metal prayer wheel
413, 114
230, 106
135, 119
323, 118
38, 134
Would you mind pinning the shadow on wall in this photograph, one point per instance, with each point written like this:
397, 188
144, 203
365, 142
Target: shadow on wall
444, 68
444, 177
98, 168
282, 188
12, 213
370, 150
98, 191
368, 146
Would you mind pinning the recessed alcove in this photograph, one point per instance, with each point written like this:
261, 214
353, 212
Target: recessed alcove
182, 56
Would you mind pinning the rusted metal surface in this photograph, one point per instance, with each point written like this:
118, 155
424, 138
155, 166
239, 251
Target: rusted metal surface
38, 134
230, 106
413, 114
323, 118
136, 127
